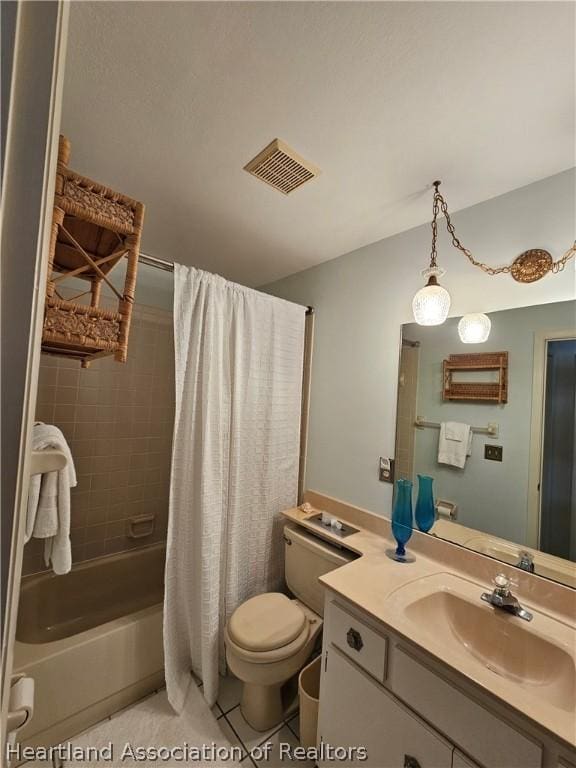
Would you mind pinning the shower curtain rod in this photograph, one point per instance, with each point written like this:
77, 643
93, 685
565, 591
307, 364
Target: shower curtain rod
152, 261
168, 266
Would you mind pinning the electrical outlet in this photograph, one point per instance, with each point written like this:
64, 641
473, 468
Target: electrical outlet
493, 452
386, 470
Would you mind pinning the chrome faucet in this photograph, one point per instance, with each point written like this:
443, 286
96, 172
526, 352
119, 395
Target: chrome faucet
501, 597
526, 562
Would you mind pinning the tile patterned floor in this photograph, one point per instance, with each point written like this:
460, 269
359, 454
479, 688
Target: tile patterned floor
252, 742
152, 722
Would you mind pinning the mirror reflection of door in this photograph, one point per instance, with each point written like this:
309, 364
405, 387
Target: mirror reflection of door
406, 414
558, 479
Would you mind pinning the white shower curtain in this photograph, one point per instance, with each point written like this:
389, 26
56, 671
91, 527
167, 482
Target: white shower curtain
234, 464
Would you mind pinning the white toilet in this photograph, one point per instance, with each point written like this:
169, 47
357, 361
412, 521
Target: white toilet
270, 637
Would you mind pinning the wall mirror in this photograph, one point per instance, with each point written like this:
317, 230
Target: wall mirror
514, 498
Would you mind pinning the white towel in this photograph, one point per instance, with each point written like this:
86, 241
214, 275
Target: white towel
454, 443
48, 514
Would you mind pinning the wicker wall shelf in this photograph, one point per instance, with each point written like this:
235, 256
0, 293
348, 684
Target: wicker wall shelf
480, 391
93, 230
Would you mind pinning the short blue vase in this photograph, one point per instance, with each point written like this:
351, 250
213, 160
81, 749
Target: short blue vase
425, 514
402, 518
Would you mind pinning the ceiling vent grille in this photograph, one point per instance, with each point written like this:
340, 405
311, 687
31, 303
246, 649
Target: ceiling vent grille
281, 167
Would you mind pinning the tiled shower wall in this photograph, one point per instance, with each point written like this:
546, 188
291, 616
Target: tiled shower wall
118, 419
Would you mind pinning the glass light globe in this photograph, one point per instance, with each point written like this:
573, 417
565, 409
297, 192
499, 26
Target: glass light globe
431, 304
474, 328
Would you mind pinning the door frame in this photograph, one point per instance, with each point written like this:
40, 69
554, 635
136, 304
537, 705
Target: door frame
29, 172
541, 339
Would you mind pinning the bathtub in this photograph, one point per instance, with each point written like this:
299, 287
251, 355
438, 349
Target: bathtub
92, 641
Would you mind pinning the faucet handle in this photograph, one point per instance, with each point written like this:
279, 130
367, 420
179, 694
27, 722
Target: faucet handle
503, 582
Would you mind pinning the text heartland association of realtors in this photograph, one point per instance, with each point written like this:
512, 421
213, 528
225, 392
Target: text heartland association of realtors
184, 753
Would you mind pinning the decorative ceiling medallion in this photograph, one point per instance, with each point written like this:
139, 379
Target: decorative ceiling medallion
531, 265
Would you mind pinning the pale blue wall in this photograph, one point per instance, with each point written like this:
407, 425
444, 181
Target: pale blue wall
363, 298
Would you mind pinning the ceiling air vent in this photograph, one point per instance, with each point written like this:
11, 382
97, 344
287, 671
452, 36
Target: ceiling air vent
281, 167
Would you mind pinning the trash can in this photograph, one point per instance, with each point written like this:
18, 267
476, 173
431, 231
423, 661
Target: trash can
309, 694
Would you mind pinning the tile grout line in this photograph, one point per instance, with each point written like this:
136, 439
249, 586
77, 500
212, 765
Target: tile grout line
260, 743
247, 751
227, 711
269, 736
292, 729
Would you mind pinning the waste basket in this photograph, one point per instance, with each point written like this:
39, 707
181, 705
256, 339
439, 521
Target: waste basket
309, 694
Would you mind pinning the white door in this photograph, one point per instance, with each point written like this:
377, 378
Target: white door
35, 42
355, 711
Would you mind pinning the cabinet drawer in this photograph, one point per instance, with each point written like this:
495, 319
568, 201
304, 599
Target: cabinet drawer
476, 730
357, 640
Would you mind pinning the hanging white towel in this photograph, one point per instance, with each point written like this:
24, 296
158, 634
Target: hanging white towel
454, 443
48, 514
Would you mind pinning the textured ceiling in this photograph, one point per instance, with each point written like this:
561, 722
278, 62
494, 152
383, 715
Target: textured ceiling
168, 101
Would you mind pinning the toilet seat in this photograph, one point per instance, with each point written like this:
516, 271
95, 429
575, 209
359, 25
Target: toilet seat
269, 657
266, 623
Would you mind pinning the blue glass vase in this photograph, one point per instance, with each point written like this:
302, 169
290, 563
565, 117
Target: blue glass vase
402, 517
425, 514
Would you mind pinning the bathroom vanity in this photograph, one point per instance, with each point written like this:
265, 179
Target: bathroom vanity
422, 672
381, 691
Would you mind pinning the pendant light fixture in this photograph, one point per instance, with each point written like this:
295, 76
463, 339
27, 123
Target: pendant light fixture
474, 328
432, 303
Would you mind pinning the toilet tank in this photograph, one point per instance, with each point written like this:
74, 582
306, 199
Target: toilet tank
308, 557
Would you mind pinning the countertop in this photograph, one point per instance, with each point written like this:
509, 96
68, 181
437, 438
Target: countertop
370, 581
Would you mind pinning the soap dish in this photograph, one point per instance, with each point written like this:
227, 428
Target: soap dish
342, 532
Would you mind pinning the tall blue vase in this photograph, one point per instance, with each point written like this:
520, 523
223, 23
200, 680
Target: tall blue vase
425, 514
402, 516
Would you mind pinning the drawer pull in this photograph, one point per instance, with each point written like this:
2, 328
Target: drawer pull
410, 762
354, 639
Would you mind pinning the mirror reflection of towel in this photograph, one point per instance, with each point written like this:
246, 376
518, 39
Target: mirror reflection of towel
454, 443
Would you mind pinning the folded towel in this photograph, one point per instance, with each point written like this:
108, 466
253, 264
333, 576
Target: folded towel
48, 514
46, 522
454, 443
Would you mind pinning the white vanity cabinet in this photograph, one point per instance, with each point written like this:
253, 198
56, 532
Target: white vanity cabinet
358, 712
380, 692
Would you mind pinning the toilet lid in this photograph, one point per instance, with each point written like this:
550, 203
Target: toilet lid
266, 622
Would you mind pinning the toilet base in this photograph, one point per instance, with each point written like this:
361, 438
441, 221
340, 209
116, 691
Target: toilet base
265, 706
261, 705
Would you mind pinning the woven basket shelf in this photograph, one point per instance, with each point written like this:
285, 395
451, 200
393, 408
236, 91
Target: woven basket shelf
480, 391
93, 229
